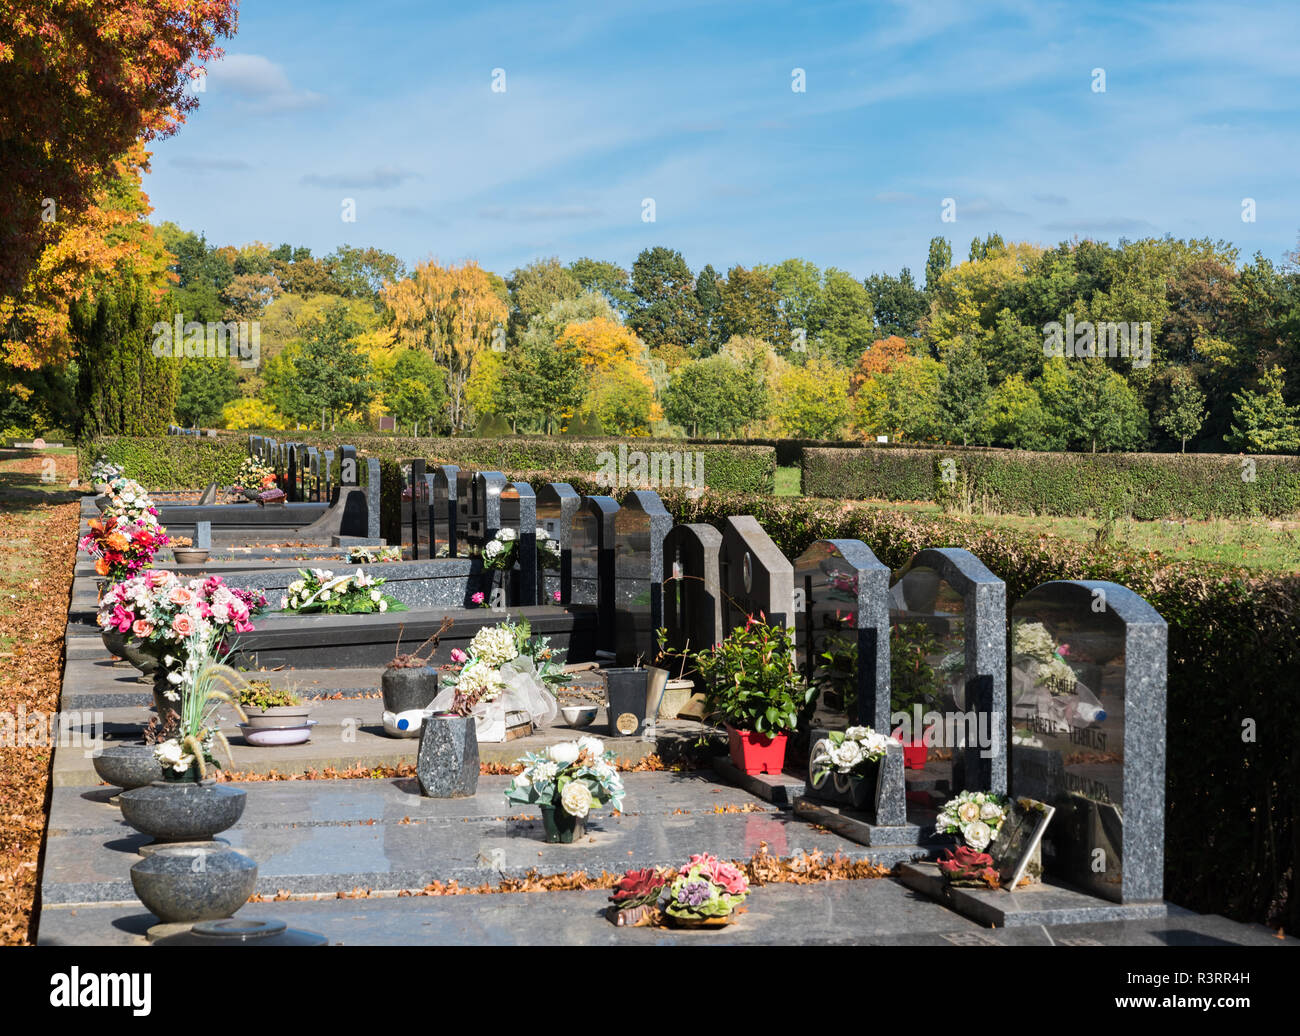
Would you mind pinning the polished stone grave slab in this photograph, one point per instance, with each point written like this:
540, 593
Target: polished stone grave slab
877, 912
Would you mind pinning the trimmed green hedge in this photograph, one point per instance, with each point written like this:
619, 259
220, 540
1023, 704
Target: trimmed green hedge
1232, 834
185, 462
1145, 486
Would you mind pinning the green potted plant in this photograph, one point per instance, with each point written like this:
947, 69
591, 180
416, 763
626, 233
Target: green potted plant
268, 707
753, 684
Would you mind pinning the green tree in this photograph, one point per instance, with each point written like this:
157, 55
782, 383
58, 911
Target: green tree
206, 386
812, 402
963, 392
715, 396
1016, 417
608, 279
937, 262
124, 388
902, 402
897, 304
798, 287
847, 319
666, 311
326, 371
1262, 422
751, 308
534, 289
1183, 412
415, 389
708, 302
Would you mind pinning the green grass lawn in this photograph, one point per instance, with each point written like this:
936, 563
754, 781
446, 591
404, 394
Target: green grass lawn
1266, 544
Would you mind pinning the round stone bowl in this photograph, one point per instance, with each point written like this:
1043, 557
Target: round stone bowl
271, 737
128, 765
176, 811
194, 883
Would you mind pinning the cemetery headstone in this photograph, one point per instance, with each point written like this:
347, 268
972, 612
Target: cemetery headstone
640, 525
327, 474
593, 563
756, 577
314, 481
557, 503
415, 511
202, 535
209, 496
1088, 670
948, 618
692, 588
842, 632
293, 490
446, 511
349, 470
519, 512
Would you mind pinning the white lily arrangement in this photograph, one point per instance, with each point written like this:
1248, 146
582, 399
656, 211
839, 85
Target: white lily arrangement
975, 815
576, 776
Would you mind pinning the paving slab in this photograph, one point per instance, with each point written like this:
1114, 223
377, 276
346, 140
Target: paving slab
878, 912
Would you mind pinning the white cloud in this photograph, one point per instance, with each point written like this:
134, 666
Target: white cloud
259, 81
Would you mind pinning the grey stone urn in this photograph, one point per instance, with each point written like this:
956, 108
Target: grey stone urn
447, 766
183, 811
194, 883
114, 643
406, 688
128, 765
145, 661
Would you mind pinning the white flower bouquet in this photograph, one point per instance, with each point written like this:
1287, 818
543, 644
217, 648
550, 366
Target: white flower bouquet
507, 667
848, 752
975, 815
502, 551
575, 776
320, 590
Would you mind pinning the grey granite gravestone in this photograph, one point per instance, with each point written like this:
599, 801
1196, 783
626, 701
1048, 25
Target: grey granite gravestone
640, 525
842, 608
446, 510
349, 470
483, 507
415, 511
372, 498
255, 446
202, 536
557, 503
519, 512
1088, 670
692, 589
209, 496
756, 577
464, 483
274, 460
593, 563
948, 615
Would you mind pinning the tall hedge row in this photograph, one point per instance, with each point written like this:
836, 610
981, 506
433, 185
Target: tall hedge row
1233, 771
1138, 485
186, 462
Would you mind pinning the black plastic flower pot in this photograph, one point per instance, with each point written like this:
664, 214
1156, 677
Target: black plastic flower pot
626, 691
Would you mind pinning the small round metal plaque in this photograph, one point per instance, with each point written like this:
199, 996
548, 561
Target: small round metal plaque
627, 723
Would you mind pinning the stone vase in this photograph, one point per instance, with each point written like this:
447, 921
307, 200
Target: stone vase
128, 766
114, 643
140, 657
194, 883
407, 688
183, 811
448, 764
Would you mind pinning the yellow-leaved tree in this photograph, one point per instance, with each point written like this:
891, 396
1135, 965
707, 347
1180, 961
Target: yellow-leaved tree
453, 312
620, 391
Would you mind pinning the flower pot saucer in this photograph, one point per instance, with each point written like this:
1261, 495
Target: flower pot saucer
271, 737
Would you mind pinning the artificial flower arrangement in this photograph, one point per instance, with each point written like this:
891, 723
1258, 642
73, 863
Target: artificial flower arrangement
975, 815
704, 892
373, 555
568, 780
848, 752
253, 474
968, 867
164, 614
122, 546
502, 551
320, 590
127, 499
506, 669
102, 472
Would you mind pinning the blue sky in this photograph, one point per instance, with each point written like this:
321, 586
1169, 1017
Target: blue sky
992, 104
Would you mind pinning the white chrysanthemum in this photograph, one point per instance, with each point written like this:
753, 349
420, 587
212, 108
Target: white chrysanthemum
977, 835
507, 535
544, 771
494, 645
480, 681
564, 753
990, 811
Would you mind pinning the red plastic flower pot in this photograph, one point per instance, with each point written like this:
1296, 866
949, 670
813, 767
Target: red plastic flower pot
755, 753
914, 755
